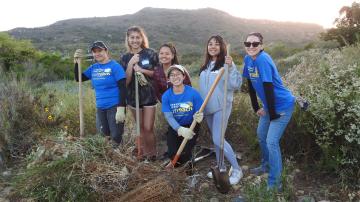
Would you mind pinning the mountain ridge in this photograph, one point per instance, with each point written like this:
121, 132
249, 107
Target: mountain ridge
188, 29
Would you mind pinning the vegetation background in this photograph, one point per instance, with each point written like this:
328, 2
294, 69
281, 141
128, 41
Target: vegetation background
39, 111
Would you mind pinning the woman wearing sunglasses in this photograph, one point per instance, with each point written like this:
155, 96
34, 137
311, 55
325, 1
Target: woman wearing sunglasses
277, 106
215, 58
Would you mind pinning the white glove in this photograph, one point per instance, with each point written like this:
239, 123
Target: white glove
185, 132
198, 117
120, 115
78, 55
141, 78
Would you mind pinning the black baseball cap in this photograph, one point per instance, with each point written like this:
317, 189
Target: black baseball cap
98, 44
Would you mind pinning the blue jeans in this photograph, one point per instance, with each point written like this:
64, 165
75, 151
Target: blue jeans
108, 125
269, 134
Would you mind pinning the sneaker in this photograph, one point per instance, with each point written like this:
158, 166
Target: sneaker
209, 175
235, 176
258, 170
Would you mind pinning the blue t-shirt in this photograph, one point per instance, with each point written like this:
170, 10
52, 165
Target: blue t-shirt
104, 79
183, 106
263, 69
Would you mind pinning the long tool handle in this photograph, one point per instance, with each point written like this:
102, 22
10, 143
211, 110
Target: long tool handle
223, 114
137, 116
81, 113
193, 124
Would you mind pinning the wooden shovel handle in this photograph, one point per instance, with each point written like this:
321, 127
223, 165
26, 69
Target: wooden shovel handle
193, 124
81, 113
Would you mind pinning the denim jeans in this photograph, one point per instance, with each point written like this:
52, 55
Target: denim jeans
108, 125
269, 134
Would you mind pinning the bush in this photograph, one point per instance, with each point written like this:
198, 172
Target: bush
331, 81
18, 118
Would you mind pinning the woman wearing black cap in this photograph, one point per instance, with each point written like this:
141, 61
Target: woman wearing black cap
109, 81
140, 61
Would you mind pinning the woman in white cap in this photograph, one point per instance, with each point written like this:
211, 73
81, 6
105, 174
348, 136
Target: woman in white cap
180, 105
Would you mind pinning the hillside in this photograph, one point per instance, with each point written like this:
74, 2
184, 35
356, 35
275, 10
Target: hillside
188, 29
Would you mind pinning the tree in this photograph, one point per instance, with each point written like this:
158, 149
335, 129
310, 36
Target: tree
14, 52
347, 29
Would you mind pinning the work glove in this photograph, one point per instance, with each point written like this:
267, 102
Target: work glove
120, 115
141, 79
79, 53
185, 132
198, 117
303, 103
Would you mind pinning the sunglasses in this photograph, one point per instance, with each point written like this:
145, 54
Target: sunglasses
254, 44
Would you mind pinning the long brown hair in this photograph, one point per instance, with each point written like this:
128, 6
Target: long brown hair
220, 59
145, 41
172, 48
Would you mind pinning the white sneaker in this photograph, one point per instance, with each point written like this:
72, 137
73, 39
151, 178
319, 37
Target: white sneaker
235, 176
209, 175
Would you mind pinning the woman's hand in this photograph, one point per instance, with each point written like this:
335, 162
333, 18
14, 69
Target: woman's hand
134, 60
137, 68
261, 112
228, 60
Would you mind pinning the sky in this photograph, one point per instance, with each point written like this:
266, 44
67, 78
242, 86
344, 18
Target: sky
38, 13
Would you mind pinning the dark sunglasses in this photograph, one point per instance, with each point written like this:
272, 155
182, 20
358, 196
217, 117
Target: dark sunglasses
254, 44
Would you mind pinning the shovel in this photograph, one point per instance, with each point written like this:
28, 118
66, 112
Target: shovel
193, 124
220, 176
137, 117
81, 113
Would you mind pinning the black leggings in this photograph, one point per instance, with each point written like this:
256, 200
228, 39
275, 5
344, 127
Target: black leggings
174, 142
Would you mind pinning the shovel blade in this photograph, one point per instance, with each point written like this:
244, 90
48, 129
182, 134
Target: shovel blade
221, 180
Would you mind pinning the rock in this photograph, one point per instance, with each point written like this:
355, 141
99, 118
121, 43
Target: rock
238, 155
323, 201
124, 171
306, 199
192, 181
187, 198
238, 199
204, 185
300, 192
297, 170
236, 187
6, 173
214, 199
245, 168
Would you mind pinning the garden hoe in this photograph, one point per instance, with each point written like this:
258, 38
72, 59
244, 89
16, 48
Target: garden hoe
220, 176
172, 163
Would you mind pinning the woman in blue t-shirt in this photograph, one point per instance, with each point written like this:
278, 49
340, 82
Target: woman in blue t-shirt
140, 61
278, 104
180, 104
109, 82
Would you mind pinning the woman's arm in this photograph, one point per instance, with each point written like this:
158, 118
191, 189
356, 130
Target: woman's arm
122, 92
253, 98
171, 120
76, 73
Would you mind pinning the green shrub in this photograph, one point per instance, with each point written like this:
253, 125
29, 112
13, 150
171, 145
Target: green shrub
18, 117
331, 82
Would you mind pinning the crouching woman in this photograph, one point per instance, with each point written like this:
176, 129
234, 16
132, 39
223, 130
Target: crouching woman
180, 105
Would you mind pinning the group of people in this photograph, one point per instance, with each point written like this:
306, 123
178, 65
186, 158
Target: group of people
162, 79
